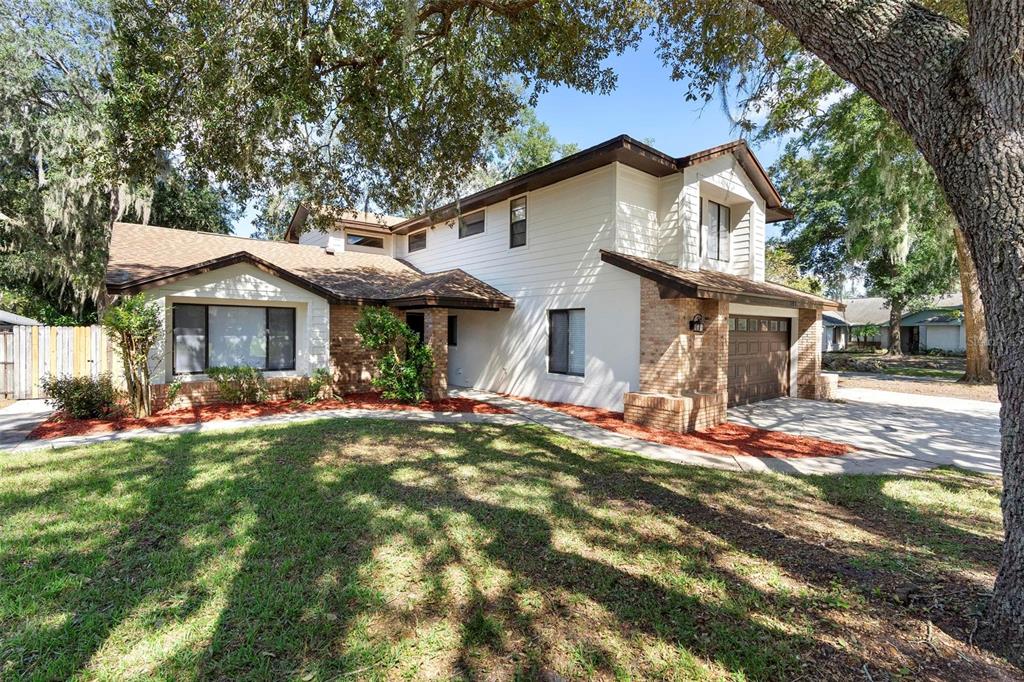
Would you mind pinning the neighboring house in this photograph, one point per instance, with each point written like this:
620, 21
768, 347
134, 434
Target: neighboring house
938, 326
9, 320
617, 277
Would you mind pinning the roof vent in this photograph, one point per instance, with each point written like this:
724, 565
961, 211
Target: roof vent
329, 250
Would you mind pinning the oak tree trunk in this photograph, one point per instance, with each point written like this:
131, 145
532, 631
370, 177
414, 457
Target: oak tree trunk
895, 333
979, 368
958, 91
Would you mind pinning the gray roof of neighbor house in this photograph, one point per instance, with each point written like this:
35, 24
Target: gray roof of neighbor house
144, 256
711, 284
873, 310
7, 318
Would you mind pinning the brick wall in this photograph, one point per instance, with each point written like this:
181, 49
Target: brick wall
352, 366
683, 374
435, 333
196, 393
808, 354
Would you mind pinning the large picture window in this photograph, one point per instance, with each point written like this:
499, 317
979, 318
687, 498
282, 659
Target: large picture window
566, 342
232, 336
717, 222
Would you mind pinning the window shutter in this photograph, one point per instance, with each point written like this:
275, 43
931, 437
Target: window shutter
558, 342
577, 342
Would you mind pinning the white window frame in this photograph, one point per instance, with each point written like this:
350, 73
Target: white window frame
483, 222
408, 241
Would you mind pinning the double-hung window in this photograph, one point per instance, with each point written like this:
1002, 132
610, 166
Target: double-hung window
232, 336
517, 223
716, 225
470, 224
567, 342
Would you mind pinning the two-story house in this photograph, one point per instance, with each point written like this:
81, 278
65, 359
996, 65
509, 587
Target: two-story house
617, 277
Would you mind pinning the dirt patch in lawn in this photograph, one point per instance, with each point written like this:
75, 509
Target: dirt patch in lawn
946, 389
59, 425
725, 439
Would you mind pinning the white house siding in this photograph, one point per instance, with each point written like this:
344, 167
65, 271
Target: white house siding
244, 284
723, 180
560, 267
638, 228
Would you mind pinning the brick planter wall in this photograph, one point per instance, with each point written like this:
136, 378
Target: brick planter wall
682, 413
197, 393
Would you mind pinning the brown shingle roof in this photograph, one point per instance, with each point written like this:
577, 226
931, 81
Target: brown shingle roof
142, 256
711, 284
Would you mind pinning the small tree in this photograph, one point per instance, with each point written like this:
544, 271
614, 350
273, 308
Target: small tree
405, 364
134, 327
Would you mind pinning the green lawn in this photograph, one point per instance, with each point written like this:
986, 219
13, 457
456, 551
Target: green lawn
387, 550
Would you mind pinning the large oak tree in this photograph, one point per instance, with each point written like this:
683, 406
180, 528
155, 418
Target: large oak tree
391, 100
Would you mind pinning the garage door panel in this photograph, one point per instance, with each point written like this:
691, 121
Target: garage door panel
758, 359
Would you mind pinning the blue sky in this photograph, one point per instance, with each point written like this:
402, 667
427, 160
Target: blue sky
646, 104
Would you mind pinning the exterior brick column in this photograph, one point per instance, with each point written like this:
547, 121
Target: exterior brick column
435, 334
808, 354
683, 375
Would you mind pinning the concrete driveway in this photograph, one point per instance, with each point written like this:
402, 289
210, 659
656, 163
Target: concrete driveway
892, 431
19, 418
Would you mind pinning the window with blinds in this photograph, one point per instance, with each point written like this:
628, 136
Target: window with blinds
471, 224
567, 342
717, 221
517, 223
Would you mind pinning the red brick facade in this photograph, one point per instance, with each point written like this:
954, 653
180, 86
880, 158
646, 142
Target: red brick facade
808, 355
196, 393
435, 332
352, 365
683, 374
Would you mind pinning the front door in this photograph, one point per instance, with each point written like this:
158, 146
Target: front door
758, 358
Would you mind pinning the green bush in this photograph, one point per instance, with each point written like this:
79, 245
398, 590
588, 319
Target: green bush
82, 397
239, 384
405, 364
312, 390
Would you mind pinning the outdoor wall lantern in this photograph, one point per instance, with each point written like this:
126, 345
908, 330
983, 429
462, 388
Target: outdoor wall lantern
697, 324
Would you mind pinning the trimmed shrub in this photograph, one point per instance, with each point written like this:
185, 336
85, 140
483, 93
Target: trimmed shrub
82, 397
312, 390
239, 384
405, 364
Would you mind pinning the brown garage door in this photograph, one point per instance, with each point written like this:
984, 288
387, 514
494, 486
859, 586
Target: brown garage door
758, 358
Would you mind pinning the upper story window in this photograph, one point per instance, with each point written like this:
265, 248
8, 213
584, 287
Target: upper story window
471, 224
717, 220
418, 241
365, 240
517, 223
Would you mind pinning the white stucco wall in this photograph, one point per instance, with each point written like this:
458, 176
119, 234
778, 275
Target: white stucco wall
560, 267
244, 284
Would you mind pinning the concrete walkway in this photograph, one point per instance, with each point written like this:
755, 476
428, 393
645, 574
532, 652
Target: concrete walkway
925, 429
19, 418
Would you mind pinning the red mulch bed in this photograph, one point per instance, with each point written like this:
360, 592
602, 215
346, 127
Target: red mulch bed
57, 426
725, 439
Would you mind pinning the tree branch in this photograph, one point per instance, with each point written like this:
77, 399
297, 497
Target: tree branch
900, 53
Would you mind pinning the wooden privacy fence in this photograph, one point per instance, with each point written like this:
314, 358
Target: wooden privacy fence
29, 353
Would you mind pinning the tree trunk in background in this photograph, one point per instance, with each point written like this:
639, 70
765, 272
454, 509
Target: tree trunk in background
979, 368
895, 335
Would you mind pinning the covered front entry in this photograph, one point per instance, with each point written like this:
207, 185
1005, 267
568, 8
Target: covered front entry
758, 358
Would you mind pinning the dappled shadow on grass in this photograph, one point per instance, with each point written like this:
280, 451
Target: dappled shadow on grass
380, 549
